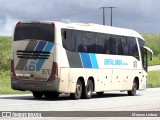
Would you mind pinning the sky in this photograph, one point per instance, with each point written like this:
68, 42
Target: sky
140, 15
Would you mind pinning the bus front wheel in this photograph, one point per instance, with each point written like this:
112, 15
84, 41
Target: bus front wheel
78, 91
134, 89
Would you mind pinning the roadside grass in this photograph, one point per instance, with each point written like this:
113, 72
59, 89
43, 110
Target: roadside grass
5, 84
155, 61
5, 53
153, 42
153, 79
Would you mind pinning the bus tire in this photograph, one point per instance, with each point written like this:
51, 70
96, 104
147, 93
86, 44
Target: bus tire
100, 93
78, 91
88, 90
134, 89
51, 95
37, 94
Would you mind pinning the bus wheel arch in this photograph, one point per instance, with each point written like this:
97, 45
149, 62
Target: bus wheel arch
78, 89
135, 87
92, 79
136, 80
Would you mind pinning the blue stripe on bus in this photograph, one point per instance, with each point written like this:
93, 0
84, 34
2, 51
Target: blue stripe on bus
49, 46
40, 46
40, 62
86, 60
93, 60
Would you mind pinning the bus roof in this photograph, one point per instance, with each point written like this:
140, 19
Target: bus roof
93, 27
104, 29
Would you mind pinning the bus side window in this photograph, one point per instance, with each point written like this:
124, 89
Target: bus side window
84, 42
91, 42
67, 40
64, 35
120, 48
79, 41
113, 45
133, 48
107, 44
100, 43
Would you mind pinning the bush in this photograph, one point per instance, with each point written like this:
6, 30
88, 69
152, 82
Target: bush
153, 41
5, 53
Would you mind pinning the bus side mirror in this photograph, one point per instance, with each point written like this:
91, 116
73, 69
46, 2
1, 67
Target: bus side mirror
151, 56
150, 51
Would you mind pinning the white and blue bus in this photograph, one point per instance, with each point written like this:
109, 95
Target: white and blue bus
50, 58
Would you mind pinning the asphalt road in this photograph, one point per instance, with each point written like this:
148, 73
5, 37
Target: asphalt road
154, 68
110, 101
148, 100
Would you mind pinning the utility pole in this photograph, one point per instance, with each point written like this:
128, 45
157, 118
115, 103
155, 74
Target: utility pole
111, 13
104, 14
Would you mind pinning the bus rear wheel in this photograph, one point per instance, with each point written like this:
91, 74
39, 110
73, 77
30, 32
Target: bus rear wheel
37, 94
78, 91
51, 95
134, 89
88, 90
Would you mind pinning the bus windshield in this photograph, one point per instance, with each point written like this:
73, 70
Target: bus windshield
38, 31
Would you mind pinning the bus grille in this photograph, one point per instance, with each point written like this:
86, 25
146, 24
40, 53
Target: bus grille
33, 54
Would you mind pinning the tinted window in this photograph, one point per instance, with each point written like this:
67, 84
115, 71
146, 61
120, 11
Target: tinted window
100, 43
123, 46
67, 38
117, 44
143, 53
141, 44
132, 47
72, 40
79, 41
37, 31
90, 42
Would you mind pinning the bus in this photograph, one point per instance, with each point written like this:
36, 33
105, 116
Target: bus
49, 58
